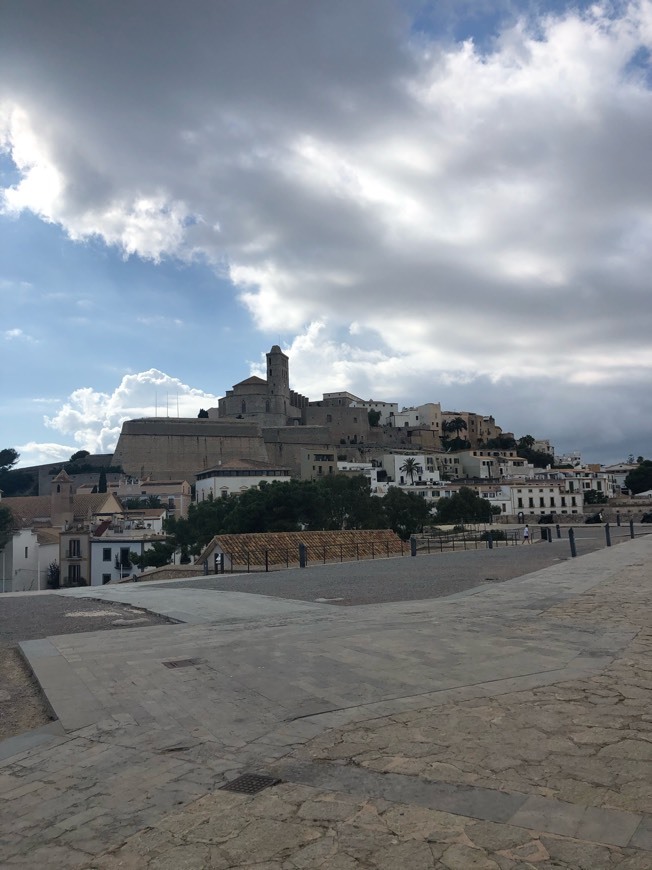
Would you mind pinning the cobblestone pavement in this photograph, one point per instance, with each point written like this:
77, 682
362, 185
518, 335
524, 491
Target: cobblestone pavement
509, 728
27, 616
432, 575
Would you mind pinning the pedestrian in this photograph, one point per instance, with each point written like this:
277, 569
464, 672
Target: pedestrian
526, 535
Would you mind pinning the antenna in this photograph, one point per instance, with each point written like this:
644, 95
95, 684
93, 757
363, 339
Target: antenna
177, 403
167, 404
155, 403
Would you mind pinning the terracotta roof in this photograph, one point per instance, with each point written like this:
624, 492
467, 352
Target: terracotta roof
28, 509
63, 475
47, 536
254, 379
245, 464
283, 547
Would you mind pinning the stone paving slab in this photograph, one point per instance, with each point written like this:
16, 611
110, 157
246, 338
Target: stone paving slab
494, 695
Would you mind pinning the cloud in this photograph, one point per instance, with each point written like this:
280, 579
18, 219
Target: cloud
39, 453
17, 335
94, 419
441, 212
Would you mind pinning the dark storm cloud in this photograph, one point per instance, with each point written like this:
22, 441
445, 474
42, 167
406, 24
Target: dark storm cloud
485, 211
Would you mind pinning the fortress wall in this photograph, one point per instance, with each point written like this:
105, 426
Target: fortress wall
173, 449
285, 444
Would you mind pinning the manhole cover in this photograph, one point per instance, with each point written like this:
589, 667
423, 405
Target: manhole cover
250, 783
182, 663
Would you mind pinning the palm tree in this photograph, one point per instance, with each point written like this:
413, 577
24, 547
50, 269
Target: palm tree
411, 467
457, 424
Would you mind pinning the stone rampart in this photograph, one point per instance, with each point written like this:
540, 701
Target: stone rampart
173, 449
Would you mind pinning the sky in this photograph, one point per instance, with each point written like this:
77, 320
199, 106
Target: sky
419, 201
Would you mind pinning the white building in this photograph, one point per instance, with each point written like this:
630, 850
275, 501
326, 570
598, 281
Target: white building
25, 559
237, 476
425, 471
496, 464
427, 415
110, 555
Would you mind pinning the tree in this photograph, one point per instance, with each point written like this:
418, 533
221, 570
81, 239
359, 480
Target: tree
101, 486
80, 454
527, 442
502, 442
374, 418
8, 458
53, 575
16, 481
158, 555
6, 525
406, 512
640, 479
202, 413
592, 496
465, 505
411, 467
457, 425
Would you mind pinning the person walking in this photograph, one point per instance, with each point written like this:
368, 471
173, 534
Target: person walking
526, 535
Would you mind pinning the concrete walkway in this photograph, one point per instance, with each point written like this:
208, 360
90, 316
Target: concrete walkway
508, 726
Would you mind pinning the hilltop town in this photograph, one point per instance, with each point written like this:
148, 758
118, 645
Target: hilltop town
89, 517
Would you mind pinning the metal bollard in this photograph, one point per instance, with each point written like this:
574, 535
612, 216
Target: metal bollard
607, 534
571, 541
266, 560
558, 531
490, 541
549, 534
631, 528
413, 545
617, 518
303, 555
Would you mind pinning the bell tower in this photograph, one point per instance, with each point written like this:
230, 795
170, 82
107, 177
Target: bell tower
62, 512
278, 374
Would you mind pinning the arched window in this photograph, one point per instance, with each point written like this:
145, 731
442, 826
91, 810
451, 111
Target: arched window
58, 487
244, 407
267, 406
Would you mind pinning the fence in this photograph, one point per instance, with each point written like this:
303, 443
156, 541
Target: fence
303, 555
467, 539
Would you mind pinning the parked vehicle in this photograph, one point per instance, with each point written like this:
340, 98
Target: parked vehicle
647, 518
594, 518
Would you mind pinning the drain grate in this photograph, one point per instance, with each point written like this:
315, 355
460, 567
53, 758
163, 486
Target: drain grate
182, 663
250, 783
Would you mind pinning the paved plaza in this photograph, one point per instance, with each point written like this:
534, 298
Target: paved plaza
508, 725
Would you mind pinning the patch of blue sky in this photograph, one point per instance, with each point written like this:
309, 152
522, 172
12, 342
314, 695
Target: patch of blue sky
82, 314
482, 21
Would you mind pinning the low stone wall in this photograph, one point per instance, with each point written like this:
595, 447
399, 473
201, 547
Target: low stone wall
171, 572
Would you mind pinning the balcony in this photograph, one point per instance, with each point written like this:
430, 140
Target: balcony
73, 556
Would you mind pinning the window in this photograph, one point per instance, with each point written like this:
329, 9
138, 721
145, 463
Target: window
542, 502
552, 501
74, 573
106, 554
530, 502
26, 552
243, 407
74, 548
563, 501
573, 503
